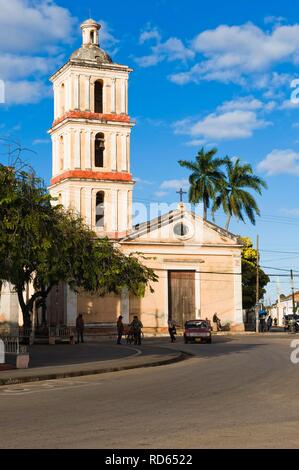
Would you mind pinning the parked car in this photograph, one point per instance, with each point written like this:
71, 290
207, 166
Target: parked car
197, 331
291, 322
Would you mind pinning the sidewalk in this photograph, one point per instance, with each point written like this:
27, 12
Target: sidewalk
61, 361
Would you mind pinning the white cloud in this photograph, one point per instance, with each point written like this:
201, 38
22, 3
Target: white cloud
26, 92
41, 142
107, 39
280, 162
247, 103
33, 25
288, 104
291, 212
148, 35
276, 20
171, 50
196, 143
233, 53
22, 66
32, 34
142, 181
160, 193
237, 124
175, 184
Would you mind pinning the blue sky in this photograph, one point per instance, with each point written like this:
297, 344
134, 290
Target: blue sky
205, 73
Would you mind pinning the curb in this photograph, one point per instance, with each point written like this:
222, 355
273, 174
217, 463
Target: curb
78, 373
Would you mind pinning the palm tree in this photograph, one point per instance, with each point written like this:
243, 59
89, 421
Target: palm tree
233, 197
206, 178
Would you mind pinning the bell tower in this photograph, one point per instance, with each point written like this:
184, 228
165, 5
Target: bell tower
91, 137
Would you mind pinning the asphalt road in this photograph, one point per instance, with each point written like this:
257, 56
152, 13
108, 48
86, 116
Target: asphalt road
237, 392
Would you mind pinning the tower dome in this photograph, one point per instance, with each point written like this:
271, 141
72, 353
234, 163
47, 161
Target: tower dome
90, 49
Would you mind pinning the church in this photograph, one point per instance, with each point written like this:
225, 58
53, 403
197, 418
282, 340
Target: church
198, 263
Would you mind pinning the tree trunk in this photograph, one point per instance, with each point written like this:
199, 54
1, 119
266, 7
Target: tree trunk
228, 222
44, 314
24, 308
205, 211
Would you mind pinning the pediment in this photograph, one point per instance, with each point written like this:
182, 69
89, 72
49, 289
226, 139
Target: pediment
181, 227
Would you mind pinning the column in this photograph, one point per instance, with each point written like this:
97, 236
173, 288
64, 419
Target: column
127, 97
113, 95
87, 94
123, 211
55, 94
70, 93
88, 206
113, 210
113, 152
9, 305
88, 150
78, 200
77, 92
124, 152
130, 209
71, 306
67, 150
125, 306
53, 155
66, 95
77, 151
58, 100
122, 97
64, 199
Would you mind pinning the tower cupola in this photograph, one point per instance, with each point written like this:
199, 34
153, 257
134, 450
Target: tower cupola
90, 33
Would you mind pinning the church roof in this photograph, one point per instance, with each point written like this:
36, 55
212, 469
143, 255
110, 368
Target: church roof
89, 21
171, 218
91, 54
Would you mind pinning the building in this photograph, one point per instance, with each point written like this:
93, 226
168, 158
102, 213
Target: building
198, 263
284, 306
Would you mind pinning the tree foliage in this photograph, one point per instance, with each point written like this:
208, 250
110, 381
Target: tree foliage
233, 197
42, 244
249, 263
206, 177
223, 183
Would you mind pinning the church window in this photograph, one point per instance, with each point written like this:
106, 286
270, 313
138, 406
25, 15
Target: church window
98, 97
181, 230
100, 209
99, 150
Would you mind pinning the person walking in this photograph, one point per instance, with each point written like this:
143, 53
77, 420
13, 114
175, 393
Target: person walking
80, 328
217, 322
136, 327
120, 329
269, 323
172, 330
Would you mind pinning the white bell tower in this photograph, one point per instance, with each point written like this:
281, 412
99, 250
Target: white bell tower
91, 137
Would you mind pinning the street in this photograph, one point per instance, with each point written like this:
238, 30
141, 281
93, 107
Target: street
241, 391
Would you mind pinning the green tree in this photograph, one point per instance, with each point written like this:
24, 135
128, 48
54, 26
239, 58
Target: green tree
249, 261
233, 197
42, 244
206, 178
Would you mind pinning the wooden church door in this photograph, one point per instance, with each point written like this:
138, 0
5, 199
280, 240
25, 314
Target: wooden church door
181, 296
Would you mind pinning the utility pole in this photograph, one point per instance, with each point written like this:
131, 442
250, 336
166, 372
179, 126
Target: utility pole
257, 286
292, 324
293, 292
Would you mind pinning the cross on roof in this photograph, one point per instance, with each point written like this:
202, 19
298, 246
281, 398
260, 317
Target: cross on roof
181, 193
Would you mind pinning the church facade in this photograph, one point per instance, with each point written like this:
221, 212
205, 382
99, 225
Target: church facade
198, 263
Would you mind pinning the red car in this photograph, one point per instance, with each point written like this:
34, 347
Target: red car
197, 331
